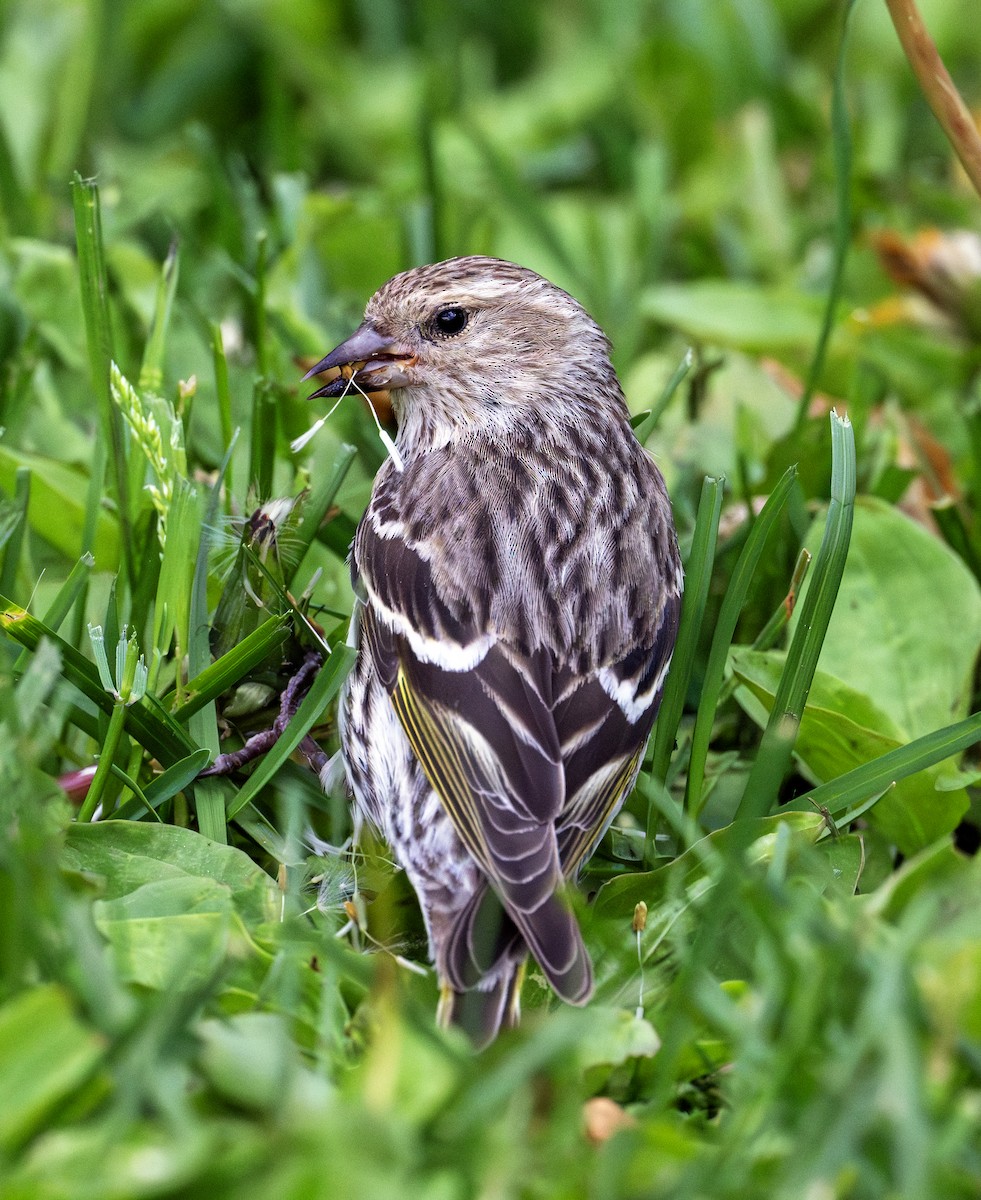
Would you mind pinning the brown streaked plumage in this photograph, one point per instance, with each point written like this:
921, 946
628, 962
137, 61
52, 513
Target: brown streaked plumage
519, 588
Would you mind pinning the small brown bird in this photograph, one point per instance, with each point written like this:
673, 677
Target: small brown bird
519, 587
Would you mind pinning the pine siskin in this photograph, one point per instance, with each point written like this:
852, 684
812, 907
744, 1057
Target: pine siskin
519, 587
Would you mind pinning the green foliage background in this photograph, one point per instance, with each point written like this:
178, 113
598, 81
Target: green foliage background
186, 1006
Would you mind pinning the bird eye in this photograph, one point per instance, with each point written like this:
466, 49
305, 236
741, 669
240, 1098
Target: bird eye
447, 322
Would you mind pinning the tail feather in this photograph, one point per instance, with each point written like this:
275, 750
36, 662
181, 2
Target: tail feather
553, 937
482, 935
482, 1011
486, 935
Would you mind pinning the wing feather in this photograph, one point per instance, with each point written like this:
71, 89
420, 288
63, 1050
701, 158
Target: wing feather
531, 758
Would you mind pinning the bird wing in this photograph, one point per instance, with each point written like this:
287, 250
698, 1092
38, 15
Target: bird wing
530, 763
603, 720
480, 723
488, 744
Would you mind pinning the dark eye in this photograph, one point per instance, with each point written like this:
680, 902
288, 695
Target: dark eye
448, 322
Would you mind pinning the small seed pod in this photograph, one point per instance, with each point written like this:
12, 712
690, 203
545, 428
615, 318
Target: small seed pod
639, 923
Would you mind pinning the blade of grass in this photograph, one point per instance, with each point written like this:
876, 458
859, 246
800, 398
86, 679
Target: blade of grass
15, 209
146, 721
209, 801
98, 331
261, 338
224, 396
777, 744
876, 776
93, 508
73, 587
648, 422
956, 534
314, 510
338, 534
231, 668
325, 687
107, 752
262, 448
698, 576
732, 606
164, 786
781, 615
151, 370
841, 144
15, 542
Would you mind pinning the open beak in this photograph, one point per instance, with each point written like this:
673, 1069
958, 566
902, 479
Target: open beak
369, 359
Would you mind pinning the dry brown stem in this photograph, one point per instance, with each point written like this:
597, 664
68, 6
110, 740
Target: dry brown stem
938, 87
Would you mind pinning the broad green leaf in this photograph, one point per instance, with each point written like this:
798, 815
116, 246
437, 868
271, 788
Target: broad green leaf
103, 1160
46, 1053
939, 870
252, 1061
616, 899
731, 313
949, 970
172, 931
907, 625
129, 854
57, 508
841, 729
614, 1035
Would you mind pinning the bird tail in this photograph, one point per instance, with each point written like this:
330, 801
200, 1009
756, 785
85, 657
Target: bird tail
484, 954
552, 935
482, 1011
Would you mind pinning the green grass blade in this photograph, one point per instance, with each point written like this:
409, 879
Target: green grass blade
732, 606
957, 535
698, 576
232, 667
262, 447
98, 331
648, 422
15, 208
146, 722
69, 592
315, 508
841, 143
777, 744
325, 687
15, 542
209, 802
261, 329
767, 636
151, 370
164, 787
838, 794
224, 396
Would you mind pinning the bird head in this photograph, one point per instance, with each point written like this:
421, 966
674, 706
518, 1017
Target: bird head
473, 344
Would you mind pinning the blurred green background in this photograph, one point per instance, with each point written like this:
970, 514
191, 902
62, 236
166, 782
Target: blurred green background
174, 1022
669, 163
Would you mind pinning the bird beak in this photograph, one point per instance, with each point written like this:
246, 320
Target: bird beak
369, 360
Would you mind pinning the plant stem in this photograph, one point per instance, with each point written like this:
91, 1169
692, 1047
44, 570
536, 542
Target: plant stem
938, 87
102, 772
